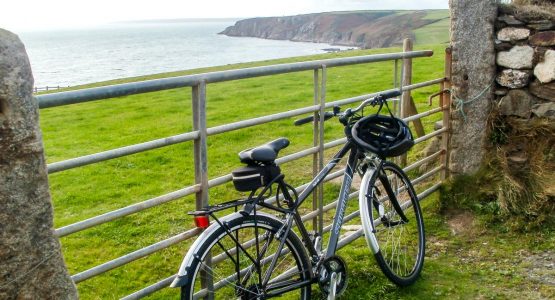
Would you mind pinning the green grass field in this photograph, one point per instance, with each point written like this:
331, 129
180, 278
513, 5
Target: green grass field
87, 128
437, 32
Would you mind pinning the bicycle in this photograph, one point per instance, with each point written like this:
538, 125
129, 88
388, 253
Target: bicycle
255, 255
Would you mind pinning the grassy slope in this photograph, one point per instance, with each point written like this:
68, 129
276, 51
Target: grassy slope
437, 32
434, 33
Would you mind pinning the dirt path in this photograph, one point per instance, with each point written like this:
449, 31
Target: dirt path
526, 272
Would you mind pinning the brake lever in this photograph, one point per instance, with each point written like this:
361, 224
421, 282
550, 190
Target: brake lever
377, 100
336, 110
344, 117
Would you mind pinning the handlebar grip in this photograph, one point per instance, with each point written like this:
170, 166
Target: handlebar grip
303, 121
390, 94
327, 115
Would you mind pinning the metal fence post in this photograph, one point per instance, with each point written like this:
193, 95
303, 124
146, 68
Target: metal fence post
321, 150
315, 142
406, 80
396, 106
200, 151
446, 107
201, 163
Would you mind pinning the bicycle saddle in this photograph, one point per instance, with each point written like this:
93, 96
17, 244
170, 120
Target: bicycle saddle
265, 153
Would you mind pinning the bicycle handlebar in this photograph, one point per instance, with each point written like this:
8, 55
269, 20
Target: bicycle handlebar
327, 115
391, 94
379, 99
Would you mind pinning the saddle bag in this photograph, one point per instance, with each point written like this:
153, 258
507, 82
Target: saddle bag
252, 177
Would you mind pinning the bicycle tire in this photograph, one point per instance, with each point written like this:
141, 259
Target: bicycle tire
224, 273
398, 245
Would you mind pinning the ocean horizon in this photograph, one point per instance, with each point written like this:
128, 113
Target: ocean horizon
72, 57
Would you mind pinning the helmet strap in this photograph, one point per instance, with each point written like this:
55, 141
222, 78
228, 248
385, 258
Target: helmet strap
388, 109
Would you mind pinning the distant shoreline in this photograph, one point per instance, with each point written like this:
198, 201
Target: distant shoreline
361, 29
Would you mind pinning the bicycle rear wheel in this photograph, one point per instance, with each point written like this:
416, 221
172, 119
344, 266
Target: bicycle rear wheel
223, 270
393, 223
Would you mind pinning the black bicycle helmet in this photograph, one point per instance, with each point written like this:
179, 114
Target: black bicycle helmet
386, 136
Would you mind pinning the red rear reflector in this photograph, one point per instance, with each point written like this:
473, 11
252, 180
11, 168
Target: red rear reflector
202, 221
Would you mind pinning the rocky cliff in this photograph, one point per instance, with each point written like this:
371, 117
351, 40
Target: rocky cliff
364, 29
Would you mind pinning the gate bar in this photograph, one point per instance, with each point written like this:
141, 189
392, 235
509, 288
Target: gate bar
132, 88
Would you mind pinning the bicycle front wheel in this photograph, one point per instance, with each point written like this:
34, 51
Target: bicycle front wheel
238, 262
393, 224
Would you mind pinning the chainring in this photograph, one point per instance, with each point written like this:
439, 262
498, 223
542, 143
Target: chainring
328, 266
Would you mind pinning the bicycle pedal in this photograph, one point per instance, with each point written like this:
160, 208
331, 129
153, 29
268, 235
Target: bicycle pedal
334, 281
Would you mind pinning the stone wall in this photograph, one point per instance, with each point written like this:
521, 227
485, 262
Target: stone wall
503, 61
521, 131
525, 81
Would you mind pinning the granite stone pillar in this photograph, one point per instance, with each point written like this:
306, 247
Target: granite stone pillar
31, 263
473, 73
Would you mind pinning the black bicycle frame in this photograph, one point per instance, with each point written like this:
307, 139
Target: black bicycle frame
342, 200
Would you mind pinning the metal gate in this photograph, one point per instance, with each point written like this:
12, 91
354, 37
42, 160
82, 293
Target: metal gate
402, 64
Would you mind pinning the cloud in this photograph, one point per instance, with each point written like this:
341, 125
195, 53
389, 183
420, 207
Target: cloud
380, 4
70, 13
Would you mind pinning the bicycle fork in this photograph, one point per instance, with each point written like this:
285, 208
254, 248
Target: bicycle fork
373, 172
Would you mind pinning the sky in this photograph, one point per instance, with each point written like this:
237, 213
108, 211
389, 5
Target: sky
24, 15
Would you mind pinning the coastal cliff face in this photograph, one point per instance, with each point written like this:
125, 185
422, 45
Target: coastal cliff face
367, 29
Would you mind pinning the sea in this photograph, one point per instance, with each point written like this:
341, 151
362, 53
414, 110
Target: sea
72, 57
